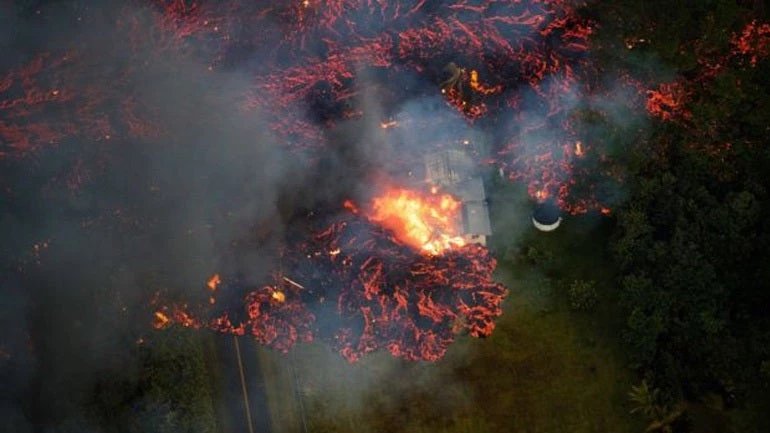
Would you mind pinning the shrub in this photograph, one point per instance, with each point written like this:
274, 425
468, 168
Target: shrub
582, 295
543, 259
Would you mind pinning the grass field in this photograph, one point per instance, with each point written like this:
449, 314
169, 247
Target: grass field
546, 368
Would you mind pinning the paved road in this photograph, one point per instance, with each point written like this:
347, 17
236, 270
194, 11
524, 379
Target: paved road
243, 398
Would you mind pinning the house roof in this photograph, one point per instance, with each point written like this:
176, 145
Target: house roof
470, 190
448, 167
452, 169
476, 218
475, 209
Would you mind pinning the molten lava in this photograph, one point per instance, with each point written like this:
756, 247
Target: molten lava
393, 273
531, 48
427, 222
358, 288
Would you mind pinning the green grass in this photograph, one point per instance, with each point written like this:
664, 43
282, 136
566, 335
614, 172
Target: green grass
279, 387
545, 368
211, 358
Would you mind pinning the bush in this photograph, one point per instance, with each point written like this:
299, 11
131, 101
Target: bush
582, 295
764, 370
543, 259
175, 389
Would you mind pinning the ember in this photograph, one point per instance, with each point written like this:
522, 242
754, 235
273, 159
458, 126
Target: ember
214, 282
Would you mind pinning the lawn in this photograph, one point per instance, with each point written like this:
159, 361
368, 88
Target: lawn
545, 369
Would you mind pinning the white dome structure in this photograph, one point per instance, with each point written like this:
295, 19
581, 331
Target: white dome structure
546, 217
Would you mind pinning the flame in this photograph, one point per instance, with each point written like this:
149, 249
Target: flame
278, 296
426, 222
578, 149
213, 282
387, 296
386, 125
349, 205
161, 320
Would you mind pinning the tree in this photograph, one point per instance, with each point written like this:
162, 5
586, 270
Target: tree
692, 242
648, 403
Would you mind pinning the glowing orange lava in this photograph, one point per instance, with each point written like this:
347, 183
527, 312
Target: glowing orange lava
428, 222
477, 86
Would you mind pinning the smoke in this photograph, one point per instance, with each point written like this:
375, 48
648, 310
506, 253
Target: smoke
123, 216
187, 182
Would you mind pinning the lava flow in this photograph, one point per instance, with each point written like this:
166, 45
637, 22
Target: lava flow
497, 54
394, 272
369, 281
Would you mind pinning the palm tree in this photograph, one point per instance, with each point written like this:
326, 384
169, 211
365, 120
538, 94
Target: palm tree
647, 401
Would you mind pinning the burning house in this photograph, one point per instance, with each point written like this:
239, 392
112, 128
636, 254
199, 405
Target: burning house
452, 171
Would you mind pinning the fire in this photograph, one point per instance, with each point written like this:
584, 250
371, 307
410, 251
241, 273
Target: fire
212, 285
429, 223
161, 320
349, 205
278, 296
396, 270
579, 149
381, 294
213, 282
